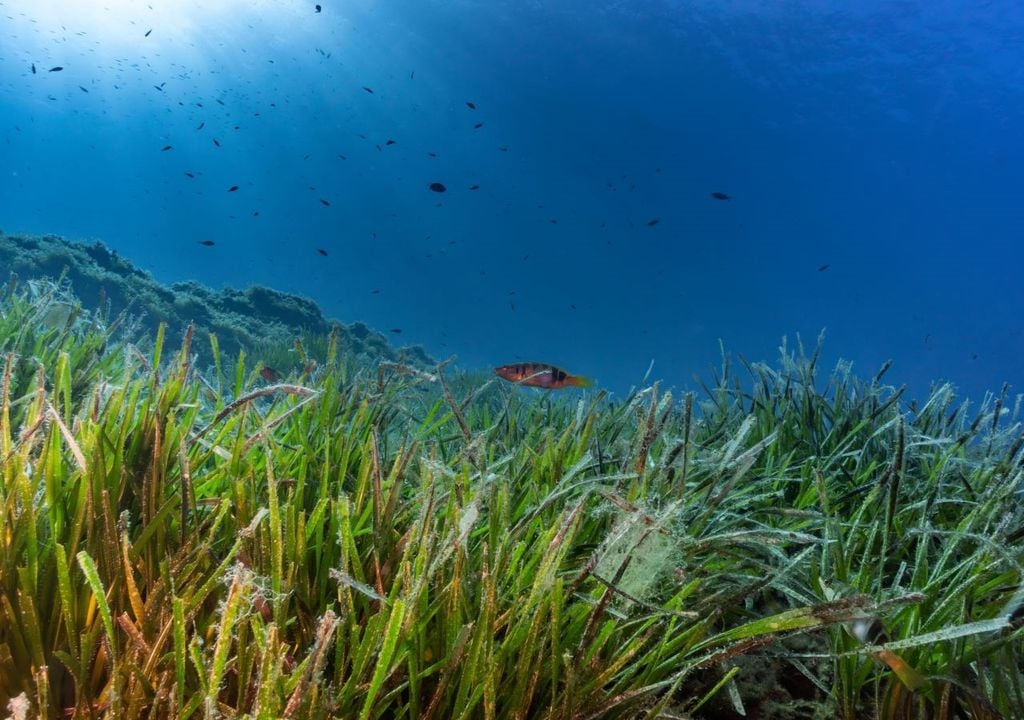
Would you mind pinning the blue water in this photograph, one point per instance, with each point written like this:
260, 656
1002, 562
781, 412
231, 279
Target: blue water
880, 139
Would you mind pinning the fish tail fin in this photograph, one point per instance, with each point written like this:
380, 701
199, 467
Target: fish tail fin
581, 382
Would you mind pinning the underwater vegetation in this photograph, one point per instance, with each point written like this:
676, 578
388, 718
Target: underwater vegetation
190, 540
257, 318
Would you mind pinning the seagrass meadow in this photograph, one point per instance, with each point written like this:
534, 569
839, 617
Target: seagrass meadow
181, 540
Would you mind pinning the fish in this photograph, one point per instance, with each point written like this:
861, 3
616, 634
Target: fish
437, 187
478, 126
720, 196
471, 106
823, 268
82, 89
390, 142
55, 69
541, 375
216, 142
325, 203
474, 187
652, 222
270, 374
206, 243
322, 251
233, 188
317, 8
367, 89
148, 32
165, 148
33, 68
396, 331
201, 125
191, 175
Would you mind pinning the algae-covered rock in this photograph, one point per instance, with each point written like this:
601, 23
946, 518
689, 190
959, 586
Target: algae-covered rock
247, 319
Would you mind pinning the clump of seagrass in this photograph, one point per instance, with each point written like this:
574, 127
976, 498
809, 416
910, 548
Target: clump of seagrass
399, 542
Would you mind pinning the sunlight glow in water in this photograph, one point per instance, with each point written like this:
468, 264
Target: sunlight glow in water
113, 25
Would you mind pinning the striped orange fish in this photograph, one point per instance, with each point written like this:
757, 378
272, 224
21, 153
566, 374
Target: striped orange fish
541, 375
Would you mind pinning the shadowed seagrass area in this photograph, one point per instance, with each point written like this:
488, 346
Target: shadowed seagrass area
256, 318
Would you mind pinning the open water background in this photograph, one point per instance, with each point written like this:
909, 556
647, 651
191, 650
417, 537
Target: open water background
873, 153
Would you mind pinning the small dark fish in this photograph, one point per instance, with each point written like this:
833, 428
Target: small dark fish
82, 89
474, 187
233, 188
369, 90
255, 213
206, 243
823, 268
33, 68
324, 203
148, 32
652, 222
437, 187
432, 154
165, 148
375, 291
216, 142
478, 126
471, 106
317, 8
191, 175
390, 142
219, 101
159, 87
201, 125
720, 196
504, 148
322, 251
412, 75
270, 374
342, 157
56, 69
396, 331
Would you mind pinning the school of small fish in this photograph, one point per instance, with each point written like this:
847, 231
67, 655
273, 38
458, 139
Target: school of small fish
539, 375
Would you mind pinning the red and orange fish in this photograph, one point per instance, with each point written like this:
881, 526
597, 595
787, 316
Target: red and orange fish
541, 375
